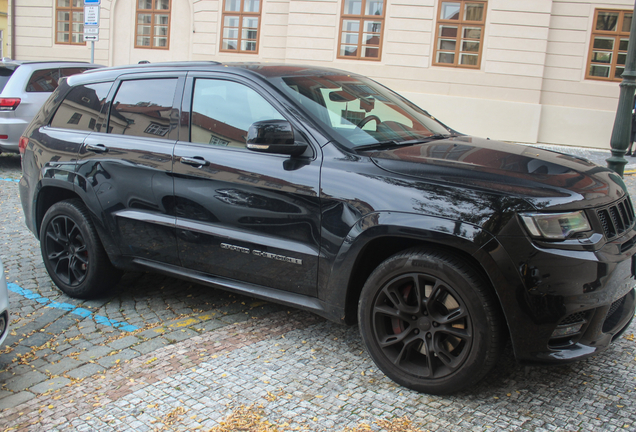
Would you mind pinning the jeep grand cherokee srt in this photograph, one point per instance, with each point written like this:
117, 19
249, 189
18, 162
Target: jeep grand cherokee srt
324, 190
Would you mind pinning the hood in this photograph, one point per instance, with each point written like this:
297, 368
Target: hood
544, 178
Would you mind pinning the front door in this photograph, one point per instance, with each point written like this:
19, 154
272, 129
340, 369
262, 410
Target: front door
242, 215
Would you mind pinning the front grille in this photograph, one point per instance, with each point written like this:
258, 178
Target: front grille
613, 315
573, 319
616, 218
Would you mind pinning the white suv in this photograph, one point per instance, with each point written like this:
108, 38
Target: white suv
24, 87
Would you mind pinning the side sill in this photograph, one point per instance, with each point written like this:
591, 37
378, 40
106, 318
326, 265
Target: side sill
310, 304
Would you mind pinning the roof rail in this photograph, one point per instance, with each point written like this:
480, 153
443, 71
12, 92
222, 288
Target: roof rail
164, 64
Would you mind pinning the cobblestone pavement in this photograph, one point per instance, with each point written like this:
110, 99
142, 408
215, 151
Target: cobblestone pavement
163, 354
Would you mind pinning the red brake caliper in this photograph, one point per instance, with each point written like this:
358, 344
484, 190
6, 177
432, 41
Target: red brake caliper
398, 324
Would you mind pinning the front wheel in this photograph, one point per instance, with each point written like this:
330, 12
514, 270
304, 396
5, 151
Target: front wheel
72, 252
430, 322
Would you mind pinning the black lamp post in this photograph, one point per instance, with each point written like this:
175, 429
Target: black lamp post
622, 125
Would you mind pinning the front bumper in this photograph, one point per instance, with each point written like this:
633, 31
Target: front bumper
565, 305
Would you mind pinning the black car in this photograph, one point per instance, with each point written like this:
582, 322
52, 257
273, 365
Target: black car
324, 190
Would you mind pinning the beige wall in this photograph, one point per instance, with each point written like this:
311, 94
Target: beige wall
531, 86
4, 26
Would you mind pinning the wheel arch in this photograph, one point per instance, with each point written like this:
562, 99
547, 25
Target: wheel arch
380, 249
47, 196
387, 234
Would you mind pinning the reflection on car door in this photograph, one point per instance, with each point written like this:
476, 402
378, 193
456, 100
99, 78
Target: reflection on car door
243, 215
129, 163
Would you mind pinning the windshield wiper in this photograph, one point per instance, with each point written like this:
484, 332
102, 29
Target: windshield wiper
393, 143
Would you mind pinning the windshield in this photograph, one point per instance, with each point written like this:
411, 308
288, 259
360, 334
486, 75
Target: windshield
359, 112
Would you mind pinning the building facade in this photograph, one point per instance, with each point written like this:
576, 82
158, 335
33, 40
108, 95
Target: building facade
528, 71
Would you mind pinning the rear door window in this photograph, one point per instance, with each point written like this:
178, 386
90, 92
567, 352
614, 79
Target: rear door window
81, 107
143, 108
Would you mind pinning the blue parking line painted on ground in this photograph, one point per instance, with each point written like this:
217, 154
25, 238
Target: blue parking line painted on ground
11, 180
84, 313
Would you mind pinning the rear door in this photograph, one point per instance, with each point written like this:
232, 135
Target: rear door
128, 163
243, 215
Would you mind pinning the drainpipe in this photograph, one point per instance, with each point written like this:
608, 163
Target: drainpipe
622, 124
13, 29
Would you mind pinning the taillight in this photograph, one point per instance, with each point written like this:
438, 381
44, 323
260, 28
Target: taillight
22, 144
9, 104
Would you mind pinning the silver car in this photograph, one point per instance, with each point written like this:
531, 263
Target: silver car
24, 87
4, 306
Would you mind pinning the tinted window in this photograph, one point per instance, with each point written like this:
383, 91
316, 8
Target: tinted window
5, 74
143, 108
81, 107
222, 112
72, 71
46, 80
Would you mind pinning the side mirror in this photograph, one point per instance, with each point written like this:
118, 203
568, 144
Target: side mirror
274, 136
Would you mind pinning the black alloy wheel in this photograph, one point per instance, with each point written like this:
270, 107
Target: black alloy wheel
66, 250
430, 322
72, 252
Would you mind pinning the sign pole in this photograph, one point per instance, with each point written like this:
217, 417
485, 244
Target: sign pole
91, 24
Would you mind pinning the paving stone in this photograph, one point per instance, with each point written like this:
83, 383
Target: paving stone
24, 381
16, 399
37, 339
60, 367
153, 332
180, 335
114, 359
151, 345
85, 371
235, 318
210, 325
124, 342
94, 353
50, 385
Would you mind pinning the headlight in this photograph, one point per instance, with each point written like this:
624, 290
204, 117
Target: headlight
555, 226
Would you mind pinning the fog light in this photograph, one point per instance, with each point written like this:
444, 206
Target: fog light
567, 330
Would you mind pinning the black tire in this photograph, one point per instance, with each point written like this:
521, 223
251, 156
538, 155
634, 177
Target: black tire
430, 322
72, 252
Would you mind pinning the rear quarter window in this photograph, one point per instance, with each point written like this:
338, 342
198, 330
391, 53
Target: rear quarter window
46, 80
5, 74
81, 108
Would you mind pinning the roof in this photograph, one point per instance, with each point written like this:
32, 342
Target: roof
8, 63
265, 70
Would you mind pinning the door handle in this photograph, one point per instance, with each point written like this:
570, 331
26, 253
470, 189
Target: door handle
97, 148
196, 161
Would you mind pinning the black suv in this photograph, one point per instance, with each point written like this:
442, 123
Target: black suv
324, 190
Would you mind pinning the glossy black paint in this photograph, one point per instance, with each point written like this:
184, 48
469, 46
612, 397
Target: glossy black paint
307, 230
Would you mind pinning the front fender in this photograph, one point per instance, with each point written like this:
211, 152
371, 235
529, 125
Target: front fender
340, 271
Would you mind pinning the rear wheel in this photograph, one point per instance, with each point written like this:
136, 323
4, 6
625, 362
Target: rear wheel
430, 322
72, 252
